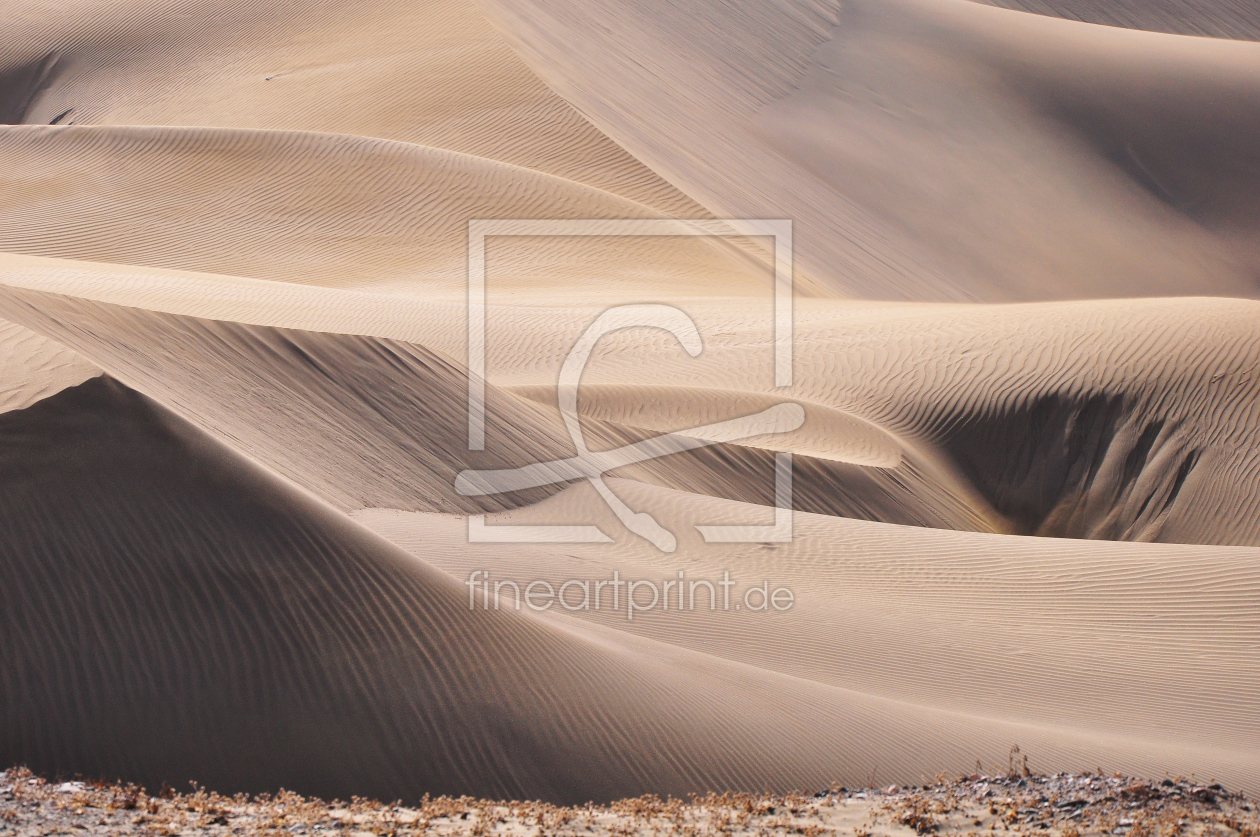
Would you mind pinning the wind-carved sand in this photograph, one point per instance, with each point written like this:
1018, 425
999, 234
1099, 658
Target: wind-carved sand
234, 379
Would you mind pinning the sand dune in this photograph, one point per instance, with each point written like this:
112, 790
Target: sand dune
431, 73
376, 422
235, 503
359, 421
988, 625
1128, 421
379, 422
931, 150
218, 589
341, 211
181, 584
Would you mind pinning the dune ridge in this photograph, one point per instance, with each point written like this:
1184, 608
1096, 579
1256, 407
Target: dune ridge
432, 73
1211, 18
345, 212
872, 126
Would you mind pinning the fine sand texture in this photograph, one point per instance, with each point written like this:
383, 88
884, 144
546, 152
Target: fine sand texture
248, 536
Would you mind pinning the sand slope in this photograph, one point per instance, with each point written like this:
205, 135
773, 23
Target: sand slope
1151, 613
1128, 421
432, 73
33, 367
931, 150
314, 208
377, 422
992, 626
1212, 18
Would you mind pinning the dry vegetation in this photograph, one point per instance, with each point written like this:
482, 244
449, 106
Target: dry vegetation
1061, 805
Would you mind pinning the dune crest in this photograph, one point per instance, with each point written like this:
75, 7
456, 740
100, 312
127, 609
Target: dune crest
874, 126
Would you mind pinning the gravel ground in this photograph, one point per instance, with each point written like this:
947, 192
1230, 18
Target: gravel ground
1062, 804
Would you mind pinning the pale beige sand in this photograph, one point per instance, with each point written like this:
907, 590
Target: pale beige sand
432, 73
990, 626
254, 221
340, 416
932, 149
33, 367
345, 211
1012, 633
220, 623
1122, 420
354, 411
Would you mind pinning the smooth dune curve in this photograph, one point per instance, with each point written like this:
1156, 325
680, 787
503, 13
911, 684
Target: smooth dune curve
932, 149
377, 422
323, 209
33, 367
1115, 420
989, 625
1235, 19
432, 73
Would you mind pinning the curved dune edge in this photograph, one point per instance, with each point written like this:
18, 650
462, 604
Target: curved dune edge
232, 394
1123, 420
1210, 18
993, 625
872, 123
826, 434
33, 367
323, 209
431, 73
373, 422
1136, 438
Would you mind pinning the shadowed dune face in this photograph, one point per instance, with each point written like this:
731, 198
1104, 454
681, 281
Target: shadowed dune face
21, 84
1051, 420
1090, 467
1177, 120
359, 421
1126, 420
1212, 18
221, 626
371, 422
1135, 424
